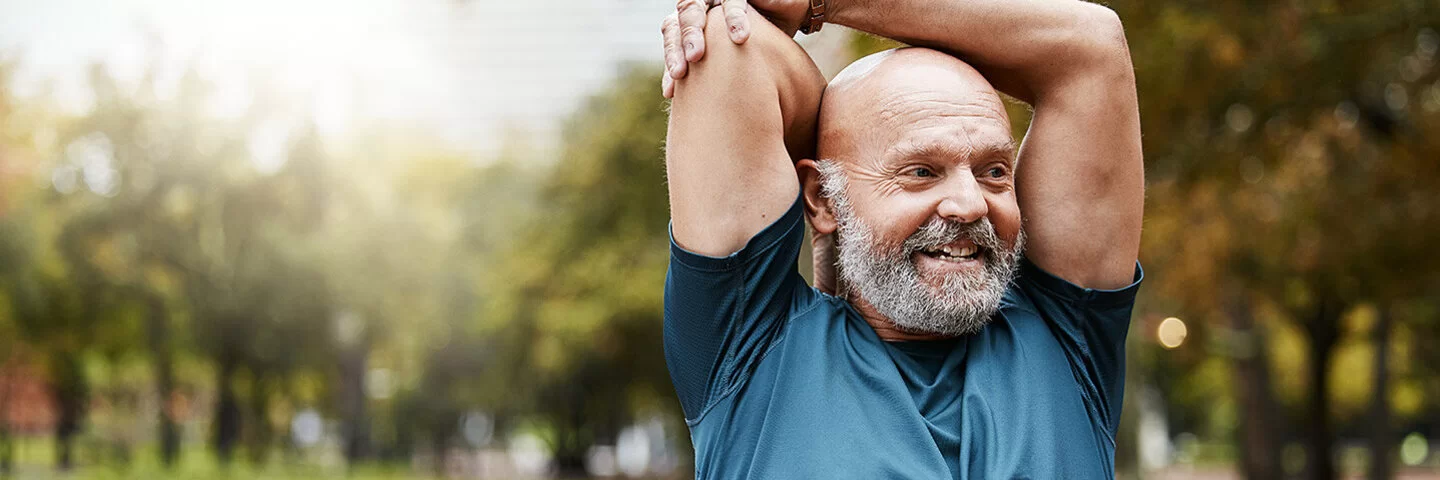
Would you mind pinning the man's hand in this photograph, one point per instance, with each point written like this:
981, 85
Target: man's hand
684, 30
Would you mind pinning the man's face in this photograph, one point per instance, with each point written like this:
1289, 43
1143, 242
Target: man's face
929, 230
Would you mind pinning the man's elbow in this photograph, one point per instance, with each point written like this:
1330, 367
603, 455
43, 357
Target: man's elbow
1104, 34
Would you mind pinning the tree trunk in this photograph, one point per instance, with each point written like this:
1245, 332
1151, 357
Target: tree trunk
1382, 465
227, 408
570, 451
71, 394
1259, 445
570, 464
357, 424
571, 441
7, 456
260, 435
1324, 331
7, 451
438, 443
158, 331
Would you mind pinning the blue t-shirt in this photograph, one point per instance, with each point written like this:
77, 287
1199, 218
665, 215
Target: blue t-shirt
780, 381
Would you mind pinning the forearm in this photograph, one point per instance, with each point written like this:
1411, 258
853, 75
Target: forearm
1027, 48
738, 121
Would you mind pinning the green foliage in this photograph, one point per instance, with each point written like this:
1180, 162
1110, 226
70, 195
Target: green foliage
1290, 171
1291, 203
582, 301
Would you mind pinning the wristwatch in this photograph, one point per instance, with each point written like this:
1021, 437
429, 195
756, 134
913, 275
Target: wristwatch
816, 19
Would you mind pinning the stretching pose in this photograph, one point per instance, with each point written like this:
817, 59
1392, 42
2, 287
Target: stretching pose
960, 342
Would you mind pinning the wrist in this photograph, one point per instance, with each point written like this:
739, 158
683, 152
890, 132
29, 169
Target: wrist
835, 12
817, 13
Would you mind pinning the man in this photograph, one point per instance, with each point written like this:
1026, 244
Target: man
947, 353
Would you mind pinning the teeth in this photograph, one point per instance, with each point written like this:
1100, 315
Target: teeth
953, 252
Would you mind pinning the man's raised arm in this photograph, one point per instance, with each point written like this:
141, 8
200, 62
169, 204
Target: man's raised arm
738, 121
1080, 179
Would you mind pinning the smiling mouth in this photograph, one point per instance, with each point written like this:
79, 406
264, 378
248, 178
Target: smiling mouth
956, 253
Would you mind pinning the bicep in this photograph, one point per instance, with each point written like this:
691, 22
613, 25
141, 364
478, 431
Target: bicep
1081, 181
729, 171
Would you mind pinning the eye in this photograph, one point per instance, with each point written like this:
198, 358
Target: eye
922, 172
996, 172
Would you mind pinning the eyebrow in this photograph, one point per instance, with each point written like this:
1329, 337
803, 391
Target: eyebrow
947, 149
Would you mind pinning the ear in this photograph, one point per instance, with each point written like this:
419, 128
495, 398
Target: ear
817, 207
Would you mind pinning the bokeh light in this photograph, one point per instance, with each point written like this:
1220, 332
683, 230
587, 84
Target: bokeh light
1171, 332
1414, 449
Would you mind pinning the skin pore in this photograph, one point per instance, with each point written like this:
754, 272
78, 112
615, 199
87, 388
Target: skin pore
923, 143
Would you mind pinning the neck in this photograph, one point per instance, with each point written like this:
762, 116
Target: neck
884, 328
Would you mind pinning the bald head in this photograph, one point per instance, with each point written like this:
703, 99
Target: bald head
871, 104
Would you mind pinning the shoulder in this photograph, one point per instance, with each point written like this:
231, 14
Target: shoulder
1034, 288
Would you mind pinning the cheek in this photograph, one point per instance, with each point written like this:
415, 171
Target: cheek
895, 219
1005, 215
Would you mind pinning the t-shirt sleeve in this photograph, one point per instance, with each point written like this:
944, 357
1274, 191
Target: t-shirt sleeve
723, 313
1091, 326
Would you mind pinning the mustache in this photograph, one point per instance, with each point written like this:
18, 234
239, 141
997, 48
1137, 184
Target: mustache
939, 231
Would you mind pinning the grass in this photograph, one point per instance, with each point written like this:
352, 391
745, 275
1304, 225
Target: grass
35, 459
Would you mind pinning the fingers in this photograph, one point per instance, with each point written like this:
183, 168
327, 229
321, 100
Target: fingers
737, 21
667, 85
675, 64
692, 28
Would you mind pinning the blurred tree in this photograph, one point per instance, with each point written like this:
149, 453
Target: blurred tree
176, 217
15, 241
1284, 146
1285, 169
579, 300
458, 379
244, 241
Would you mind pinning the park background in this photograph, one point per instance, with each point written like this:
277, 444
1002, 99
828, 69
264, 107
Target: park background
384, 239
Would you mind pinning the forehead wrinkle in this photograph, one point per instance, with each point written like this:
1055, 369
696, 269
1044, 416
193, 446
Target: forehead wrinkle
897, 105
923, 126
883, 98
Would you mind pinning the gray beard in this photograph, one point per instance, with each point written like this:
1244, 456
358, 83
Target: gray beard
887, 278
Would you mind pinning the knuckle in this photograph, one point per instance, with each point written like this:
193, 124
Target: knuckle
690, 30
670, 22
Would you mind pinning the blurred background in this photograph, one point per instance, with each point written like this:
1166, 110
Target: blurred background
389, 239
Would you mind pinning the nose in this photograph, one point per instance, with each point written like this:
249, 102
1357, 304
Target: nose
962, 201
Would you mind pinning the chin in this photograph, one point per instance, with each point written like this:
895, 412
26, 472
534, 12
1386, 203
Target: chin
937, 273
950, 327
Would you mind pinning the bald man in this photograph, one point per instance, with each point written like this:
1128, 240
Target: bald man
978, 326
